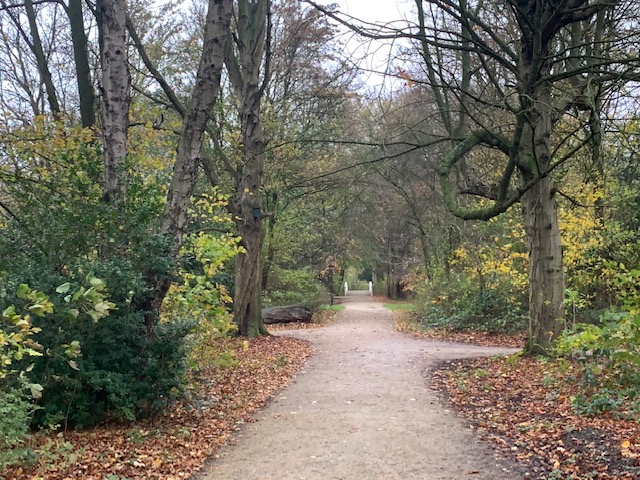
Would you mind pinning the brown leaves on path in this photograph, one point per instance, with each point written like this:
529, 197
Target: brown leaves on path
175, 445
524, 405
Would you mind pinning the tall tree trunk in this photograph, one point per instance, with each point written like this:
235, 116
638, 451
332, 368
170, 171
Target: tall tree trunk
270, 250
247, 301
116, 98
41, 59
203, 99
244, 63
426, 254
546, 276
83, 73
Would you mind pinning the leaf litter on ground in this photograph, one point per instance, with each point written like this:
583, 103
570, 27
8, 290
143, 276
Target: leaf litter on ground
408, 322
523, 404
223, 396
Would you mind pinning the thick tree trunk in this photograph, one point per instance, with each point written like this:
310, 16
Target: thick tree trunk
535, 124
244, 67
546, 277
247, 301
116, 98
83, 73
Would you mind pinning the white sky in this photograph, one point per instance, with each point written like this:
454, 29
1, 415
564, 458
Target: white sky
375, 10
375, 54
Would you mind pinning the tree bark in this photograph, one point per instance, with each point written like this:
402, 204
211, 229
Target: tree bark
203, 99
86, 93
116, 98
546, 276
247, 301
248, 293
535, 124
244, 66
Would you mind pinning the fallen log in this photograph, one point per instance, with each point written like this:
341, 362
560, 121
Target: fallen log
286, 314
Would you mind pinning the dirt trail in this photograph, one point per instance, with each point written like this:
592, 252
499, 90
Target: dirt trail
361, 410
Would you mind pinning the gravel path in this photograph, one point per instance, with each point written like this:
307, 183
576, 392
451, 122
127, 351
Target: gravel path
361, 410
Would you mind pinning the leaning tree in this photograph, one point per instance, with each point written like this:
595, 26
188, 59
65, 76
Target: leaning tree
505, 76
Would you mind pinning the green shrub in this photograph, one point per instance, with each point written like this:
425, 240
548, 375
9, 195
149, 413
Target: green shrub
609, 358
460, 304
295, 287
127, 365
17, 347
15, 414
97, 368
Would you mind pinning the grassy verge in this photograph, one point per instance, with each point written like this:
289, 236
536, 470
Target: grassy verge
400, 307
336, 308
409, 322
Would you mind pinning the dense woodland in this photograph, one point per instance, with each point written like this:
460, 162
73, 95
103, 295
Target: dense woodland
170, 168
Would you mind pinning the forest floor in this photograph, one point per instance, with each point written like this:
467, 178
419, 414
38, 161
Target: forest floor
238, 379
369, 403
524, 405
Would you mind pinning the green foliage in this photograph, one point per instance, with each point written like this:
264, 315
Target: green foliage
336, 308
17, 329
400, 307
460, 305
199, 296
18, 344
609, 356
15, 414
60, 239
294, 287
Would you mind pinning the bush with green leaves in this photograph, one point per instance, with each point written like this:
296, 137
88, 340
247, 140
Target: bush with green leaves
461, 304
15, 415
59, 232
608, 355
295, 287
17, 347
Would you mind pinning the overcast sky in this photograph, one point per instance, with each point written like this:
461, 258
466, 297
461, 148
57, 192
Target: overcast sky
375, 10
375, 55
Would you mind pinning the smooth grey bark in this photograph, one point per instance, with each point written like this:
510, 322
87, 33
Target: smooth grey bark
197, 114
116, 94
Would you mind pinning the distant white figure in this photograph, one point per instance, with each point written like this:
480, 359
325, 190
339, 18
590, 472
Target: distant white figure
346, 289
371, 288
